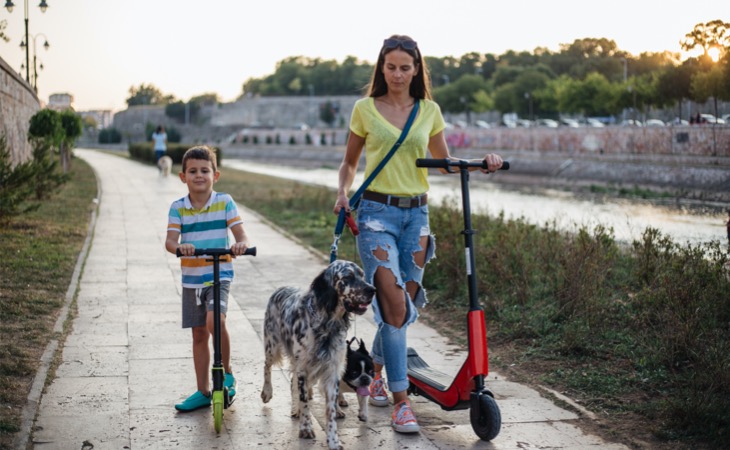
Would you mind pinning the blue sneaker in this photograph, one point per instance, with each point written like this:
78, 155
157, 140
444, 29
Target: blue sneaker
230, 383
195, 401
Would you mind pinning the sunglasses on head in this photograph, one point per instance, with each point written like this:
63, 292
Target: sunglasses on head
406, 44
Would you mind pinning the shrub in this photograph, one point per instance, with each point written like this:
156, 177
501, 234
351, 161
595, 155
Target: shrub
46, 176
16, 185
110, 136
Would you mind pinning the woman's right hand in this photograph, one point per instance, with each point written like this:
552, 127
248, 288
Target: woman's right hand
342, 202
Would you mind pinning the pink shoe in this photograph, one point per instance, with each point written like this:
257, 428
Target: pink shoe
378, 394
404, 421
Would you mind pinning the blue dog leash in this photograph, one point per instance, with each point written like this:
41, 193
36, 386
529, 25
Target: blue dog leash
344, 216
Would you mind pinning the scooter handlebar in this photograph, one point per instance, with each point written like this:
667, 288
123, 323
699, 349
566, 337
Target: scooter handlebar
445, 163
251, 251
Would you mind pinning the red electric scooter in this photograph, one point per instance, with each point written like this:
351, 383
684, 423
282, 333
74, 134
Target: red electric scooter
468, 389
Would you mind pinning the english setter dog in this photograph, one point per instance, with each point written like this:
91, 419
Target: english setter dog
310, 328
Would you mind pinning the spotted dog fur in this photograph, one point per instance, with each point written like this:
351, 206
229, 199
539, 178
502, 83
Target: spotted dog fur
310, 328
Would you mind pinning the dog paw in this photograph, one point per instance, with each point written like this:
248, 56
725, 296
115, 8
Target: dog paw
340, 413
343, 402
266, 394
306, 433
362, 417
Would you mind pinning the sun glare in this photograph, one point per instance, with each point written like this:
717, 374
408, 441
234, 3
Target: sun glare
714, 54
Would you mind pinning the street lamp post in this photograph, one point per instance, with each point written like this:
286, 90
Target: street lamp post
46, 45
9, 5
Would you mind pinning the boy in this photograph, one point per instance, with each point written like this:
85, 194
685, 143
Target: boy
202, 218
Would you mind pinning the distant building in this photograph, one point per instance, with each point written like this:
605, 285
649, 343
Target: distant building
60, 102
102, 117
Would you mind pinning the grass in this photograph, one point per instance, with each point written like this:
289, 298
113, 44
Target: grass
38, 253
639, 335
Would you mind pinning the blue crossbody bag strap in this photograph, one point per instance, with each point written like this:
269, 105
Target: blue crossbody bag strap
355, 199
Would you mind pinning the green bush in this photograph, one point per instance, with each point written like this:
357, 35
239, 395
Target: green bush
110, 136
47, 176
16, 187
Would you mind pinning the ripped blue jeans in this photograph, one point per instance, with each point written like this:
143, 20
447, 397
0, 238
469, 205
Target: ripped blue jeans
398, 232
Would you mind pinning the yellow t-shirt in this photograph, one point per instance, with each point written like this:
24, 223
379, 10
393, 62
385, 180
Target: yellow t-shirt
400, 176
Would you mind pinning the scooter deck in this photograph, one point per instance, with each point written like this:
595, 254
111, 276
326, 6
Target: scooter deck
419, 369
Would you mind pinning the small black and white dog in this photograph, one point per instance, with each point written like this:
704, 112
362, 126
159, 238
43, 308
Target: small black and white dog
359, 373
310, 329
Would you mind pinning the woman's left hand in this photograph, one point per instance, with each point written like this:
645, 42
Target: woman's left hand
494, 162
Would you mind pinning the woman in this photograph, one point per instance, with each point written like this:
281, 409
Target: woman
159, 137
395, 242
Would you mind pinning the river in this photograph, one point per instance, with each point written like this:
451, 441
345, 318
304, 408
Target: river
628, 218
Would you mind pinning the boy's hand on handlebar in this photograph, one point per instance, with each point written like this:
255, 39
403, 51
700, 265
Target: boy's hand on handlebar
494, 162
186, 249
239, 248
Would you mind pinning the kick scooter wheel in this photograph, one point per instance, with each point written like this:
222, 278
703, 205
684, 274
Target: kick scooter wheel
217, 410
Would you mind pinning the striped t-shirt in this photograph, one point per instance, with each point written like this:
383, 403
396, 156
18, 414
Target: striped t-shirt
204, 228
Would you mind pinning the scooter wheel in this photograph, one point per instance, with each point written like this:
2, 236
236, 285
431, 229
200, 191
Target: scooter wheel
486, 419
217, 410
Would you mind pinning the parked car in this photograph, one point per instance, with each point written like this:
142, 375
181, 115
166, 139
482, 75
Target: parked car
547, 123
654, 123
595, 123
572, 123
631, 123
726, 118
709, 118
482, 124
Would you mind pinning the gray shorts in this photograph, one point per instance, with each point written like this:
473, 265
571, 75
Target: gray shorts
195, 311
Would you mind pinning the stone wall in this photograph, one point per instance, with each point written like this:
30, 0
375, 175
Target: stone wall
18, 103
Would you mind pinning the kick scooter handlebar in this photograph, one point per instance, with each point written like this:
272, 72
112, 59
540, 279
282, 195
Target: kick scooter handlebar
446, 163
217, 251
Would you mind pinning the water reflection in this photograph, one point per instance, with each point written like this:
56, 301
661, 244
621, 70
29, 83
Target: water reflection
628, 218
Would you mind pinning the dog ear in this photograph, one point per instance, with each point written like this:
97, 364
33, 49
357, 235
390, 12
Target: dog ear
362, 346
324, 293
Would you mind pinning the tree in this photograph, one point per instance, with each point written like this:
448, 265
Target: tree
458, 97
673, 84
710, 84
45, 125
72, 129
46, 133
16, 185
715, 33
147, 95
594, 96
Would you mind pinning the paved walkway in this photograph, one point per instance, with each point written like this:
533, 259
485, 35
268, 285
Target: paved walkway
127, 361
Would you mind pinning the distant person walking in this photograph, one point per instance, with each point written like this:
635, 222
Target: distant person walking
159, 137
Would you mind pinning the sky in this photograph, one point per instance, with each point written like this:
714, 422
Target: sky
99, 49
